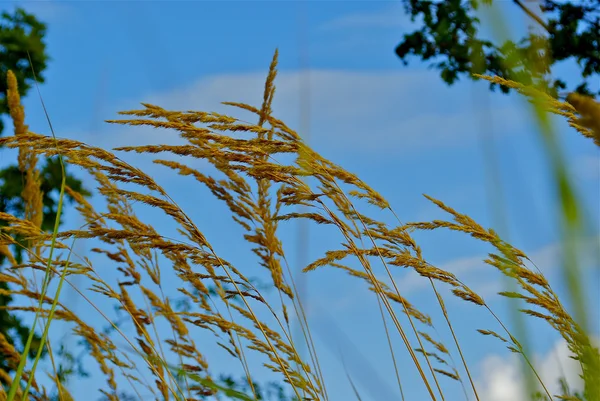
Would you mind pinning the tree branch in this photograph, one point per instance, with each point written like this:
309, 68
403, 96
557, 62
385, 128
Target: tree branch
531, 14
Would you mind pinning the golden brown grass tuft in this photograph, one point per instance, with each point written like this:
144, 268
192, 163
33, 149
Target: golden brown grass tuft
222, 300
581, 111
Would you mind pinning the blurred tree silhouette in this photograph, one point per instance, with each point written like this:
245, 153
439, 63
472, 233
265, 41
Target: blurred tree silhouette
448, 37
23, 51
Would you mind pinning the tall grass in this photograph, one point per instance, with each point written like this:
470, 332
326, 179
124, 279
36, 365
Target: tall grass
246, 322
531, 69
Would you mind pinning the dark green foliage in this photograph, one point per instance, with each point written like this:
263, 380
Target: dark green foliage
23, 51
449, 39
270, 392
565, 393
21, 33
11, 186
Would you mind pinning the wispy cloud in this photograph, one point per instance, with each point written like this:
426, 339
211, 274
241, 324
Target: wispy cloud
549, 257
471, 269
588, 167
411, 282
370, 111
384, 18
546, 258
46, 10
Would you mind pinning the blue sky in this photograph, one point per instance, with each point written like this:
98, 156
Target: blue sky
399, 128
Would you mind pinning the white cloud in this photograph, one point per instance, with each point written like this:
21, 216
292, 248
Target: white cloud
412, 282
373, 111
463, 265
588, 167
546, 258
500, 378
46, 10
557, 364
550, 257
388, 17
